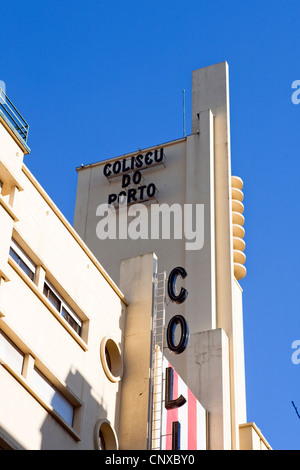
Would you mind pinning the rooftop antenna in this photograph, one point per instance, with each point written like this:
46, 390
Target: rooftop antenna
183, 94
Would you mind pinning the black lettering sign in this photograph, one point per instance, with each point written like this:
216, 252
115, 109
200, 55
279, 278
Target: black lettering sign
159, 157
175, 435
112, 198
151, 190
107, 170
137, 177
125, 167
141, 193
125, 181
181, 297
170, 403
139, 161
175, 348
148, 159
184, 334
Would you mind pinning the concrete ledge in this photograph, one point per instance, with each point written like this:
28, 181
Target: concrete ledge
251, 438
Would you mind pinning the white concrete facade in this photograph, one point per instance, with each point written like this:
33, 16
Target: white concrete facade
55, 392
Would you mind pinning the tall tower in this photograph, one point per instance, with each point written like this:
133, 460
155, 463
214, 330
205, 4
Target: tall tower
189, 183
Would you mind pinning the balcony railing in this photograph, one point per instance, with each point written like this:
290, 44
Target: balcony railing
13, 116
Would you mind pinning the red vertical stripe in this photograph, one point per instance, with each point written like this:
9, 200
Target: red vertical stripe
192, 421
172, 415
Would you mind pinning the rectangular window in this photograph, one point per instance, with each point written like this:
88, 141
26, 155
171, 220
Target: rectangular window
52, 396
22, 259
49, 293
72, 319
10, 354
66, 312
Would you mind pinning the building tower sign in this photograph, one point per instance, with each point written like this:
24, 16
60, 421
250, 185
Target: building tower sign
131, 173
202, 202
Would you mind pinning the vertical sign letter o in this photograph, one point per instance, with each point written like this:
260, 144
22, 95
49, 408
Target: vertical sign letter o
184, 335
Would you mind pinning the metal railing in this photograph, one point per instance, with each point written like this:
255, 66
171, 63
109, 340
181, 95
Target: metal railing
11, 113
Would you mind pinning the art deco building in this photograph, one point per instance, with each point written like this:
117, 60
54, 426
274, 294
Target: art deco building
130, 335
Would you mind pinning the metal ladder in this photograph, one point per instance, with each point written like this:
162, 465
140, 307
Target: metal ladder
158, 332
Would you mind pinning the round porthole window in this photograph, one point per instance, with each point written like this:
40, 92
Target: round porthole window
111, 359
105, 437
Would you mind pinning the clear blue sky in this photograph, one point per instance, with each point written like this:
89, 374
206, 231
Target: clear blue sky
97, 79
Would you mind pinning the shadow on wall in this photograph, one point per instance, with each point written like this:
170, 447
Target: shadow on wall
7, 442
89, 422
76, 420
